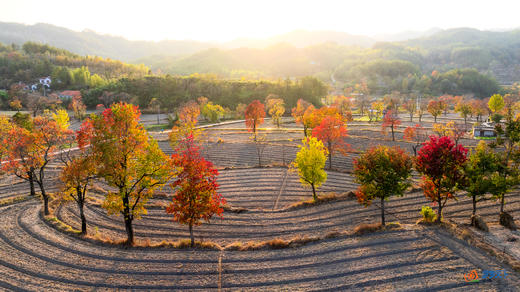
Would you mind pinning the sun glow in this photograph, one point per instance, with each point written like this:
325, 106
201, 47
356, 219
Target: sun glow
229, 19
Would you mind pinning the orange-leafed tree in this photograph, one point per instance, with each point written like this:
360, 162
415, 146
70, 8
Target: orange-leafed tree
435, 108
129, 160
308, 120
326, 111
332, 132
410, 106
391, 120
189, 112
29, 152
78, 172
479, 108
417, 135
254, 115
22, 156
298, 113
382, 172
5, 126
79, 109
344, 106
187, 124
196, 198
445, 101
442, 165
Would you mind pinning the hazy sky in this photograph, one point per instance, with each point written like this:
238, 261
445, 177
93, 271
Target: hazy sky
224, 20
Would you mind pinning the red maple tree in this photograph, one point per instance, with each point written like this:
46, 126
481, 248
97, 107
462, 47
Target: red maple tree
196, 198
441, 163
332, 132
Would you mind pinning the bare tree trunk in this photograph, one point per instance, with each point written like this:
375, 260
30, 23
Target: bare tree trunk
45, 199
192, 244
31, 183
314, 196
439, 210
383, 211
330, 155
393, 136
474, 204
83, 219
502, 203
129, 230
128, 222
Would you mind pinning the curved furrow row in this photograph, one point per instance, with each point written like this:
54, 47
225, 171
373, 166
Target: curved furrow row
400, 258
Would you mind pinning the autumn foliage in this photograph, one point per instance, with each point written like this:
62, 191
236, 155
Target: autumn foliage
196, 198
435, 108
29, 152
416, 135
332, 132
391, 120
254, 115
309, 162
442, 165
382, 172
299, 113
128, 159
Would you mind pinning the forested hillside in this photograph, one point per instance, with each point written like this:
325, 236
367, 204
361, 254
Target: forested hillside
32, 61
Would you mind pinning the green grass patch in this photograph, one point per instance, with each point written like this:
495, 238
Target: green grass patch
159, 127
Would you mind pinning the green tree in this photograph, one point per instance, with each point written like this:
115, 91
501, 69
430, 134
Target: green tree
213, 112
507, 175
496, 103
382, 172
464, 109
481, 165
310, 161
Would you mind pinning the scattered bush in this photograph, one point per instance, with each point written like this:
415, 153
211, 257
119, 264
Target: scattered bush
507, 220
237, 210
365, 228
276, 243
479, 223
428, 214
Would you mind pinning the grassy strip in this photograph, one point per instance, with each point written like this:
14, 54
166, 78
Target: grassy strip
320, 200
60, 225
14, 200
156, 127
366, 228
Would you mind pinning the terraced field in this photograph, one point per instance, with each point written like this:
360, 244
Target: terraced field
412, 259
35, 256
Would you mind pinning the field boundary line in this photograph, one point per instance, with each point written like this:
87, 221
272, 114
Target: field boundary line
282, 188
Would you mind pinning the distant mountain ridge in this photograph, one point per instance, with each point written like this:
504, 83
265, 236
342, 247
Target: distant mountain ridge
88, 42
91, 43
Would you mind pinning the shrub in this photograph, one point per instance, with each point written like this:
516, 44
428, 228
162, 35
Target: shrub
428, 214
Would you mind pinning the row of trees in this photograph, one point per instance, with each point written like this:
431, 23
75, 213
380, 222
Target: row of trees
173, 91
445, 165
113, 146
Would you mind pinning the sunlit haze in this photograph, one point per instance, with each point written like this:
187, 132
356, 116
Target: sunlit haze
227, 20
